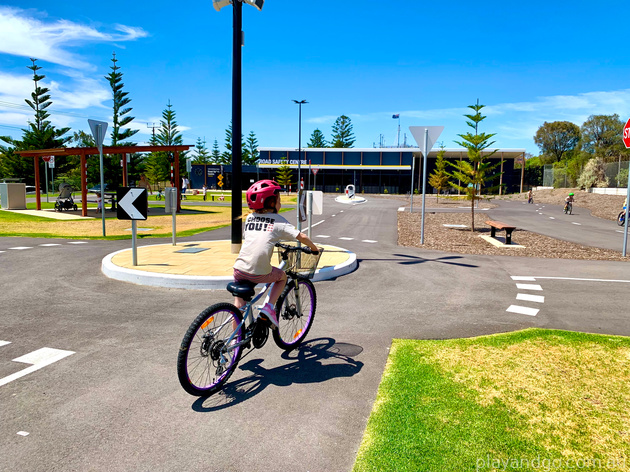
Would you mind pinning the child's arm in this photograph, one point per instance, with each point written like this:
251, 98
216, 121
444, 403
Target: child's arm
304, 239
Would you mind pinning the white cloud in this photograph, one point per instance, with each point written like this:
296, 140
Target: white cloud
23, 34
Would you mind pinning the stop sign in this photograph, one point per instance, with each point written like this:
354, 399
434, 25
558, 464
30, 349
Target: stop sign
626, 134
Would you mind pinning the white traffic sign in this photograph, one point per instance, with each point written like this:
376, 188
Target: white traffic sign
132, 203
51, 162
99, 128
434, 133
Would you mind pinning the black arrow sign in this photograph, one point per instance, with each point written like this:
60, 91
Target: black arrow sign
133, 203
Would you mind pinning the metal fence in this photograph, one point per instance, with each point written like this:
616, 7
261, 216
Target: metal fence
558, 177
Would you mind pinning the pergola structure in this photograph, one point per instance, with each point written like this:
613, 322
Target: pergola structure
83, 152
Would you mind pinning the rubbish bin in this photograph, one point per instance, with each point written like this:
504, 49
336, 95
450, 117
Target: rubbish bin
13, 196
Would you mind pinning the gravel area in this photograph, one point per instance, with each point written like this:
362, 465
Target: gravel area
464, 241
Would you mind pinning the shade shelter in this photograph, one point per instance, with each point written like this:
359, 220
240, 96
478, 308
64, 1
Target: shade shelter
83, 152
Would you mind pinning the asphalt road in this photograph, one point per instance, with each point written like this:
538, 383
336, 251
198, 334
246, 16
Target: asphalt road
115, 403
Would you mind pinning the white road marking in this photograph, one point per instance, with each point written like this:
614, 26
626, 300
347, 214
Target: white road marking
313, 225
341, 211
401, 209
368, 241
551, 218
20, 248
3, 251
619, 231
77, 242
530, 298
322, 236
523, 310
528, 287
4, 343
334, 216
50, 245
22, 433
39, 359
521, 277
574, 223
580, 279
347, 239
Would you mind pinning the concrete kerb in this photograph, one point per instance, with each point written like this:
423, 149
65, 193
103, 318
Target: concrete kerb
208, 282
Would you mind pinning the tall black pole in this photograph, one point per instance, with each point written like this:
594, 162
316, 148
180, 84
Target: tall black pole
237, 194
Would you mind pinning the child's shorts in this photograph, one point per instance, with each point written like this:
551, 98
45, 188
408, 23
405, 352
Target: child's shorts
274, 276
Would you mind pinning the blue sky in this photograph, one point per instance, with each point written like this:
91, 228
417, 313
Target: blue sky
528, 62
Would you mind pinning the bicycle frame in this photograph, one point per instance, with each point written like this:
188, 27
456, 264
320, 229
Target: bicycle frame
248, 308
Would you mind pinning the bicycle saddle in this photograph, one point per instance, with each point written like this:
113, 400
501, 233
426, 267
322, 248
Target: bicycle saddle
242, 289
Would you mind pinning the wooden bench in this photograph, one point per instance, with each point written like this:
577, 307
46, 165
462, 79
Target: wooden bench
497, 225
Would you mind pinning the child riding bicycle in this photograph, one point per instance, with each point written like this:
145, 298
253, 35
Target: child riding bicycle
568, 202
263, 228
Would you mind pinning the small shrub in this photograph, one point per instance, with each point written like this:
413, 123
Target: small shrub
385, 191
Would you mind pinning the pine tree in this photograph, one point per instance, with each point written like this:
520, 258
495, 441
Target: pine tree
121, 100
226, 156
251, 147
120, 136
40, 134
474, 173
284, 175
342, 136
216, 154
202, 156
439, 178
317, 140
168, 135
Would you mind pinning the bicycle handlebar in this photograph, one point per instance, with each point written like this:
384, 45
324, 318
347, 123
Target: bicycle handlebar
304, 249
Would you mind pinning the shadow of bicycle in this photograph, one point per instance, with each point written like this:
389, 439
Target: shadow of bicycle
316, 361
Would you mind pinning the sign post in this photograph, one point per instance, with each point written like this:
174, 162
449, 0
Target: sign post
98, 129
133, 204
46, 159
429, 135
626, 142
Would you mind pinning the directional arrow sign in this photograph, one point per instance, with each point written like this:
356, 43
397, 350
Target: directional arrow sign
133, 203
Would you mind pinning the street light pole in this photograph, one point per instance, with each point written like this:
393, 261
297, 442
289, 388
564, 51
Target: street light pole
237, 205
300, 103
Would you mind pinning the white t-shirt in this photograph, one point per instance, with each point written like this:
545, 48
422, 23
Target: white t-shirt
260, 233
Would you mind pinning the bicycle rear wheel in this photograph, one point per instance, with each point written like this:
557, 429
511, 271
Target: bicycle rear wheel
621, 218
296, 311
205, 360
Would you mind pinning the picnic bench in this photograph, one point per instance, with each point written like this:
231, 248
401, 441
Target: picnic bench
497, 225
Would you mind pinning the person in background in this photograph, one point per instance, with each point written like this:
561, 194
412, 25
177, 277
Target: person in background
530, 196
205, 191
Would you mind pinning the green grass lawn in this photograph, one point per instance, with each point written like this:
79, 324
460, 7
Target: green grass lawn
529, 400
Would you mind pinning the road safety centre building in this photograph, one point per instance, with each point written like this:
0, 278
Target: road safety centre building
370, 170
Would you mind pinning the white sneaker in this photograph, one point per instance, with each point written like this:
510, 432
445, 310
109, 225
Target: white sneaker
270, 313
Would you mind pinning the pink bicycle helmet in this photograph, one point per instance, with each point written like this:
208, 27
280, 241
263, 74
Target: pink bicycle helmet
259, 192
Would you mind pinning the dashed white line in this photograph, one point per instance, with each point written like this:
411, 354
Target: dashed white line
77, 242
50, 245
322, 236
523, 310
23, 433
346, 239
551, 218
4, 343
530, 298
523, 278
528, 287
574, 223
20, 248
368, 241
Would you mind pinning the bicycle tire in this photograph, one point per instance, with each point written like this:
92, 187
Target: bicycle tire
293, 326
621, 218
203, 366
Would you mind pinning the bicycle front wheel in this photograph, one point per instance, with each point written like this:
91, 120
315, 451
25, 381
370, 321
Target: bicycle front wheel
207, 357
296, 311
621, 218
